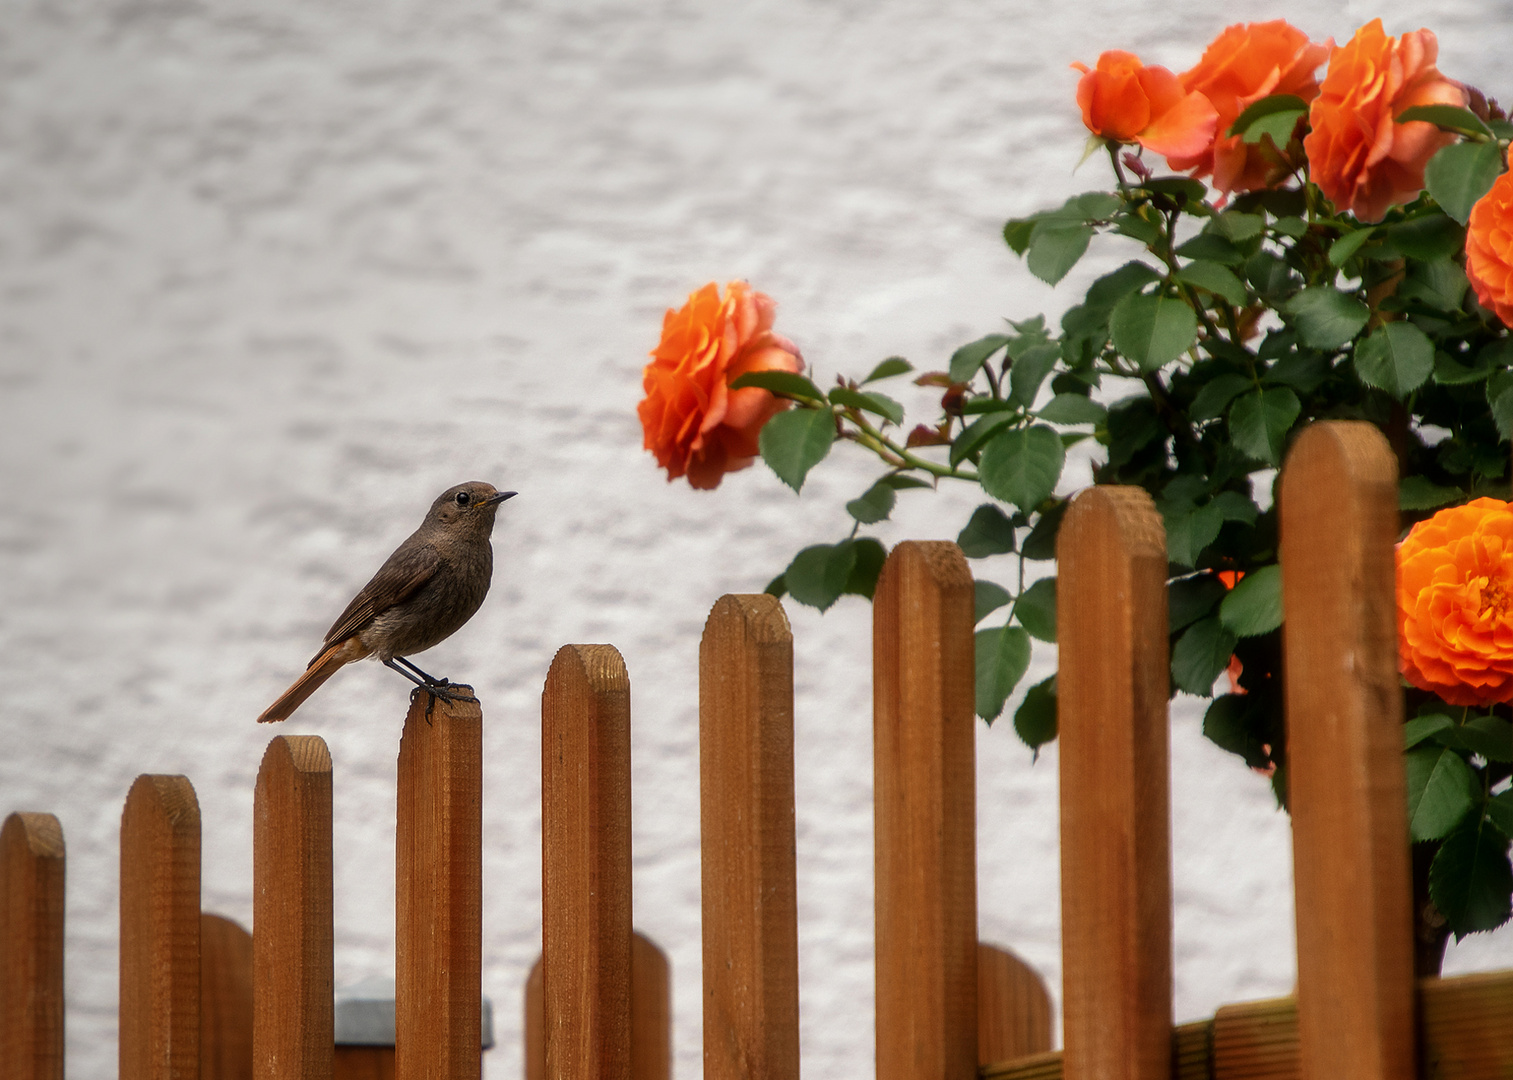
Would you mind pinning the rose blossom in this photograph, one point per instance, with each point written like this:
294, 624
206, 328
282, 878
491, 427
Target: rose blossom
1455, 604
1359, 156
1124, 100
693, 422
1489, 249
1246, 63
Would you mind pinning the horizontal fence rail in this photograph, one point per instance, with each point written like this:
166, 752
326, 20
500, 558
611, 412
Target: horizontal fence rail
201, 997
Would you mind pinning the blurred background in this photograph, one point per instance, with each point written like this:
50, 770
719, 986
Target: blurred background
274, 274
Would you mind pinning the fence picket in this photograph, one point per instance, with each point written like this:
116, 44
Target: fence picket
1013, 1007
160, 931
438, 984
294, 1013
585, 864
1345, 755
31, 947
225, 1000
925, 807
1116, 919
750, 899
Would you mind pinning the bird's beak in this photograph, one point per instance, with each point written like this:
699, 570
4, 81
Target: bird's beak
499, 497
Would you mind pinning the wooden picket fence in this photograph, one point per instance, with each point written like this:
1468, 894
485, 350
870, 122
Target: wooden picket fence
199, 997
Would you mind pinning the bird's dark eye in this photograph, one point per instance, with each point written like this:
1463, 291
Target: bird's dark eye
462, 498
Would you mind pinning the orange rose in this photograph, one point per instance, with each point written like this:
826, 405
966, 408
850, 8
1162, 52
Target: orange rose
1124, 100
1359, 156
693, 421
1455, 604
1489, 249
1246, 63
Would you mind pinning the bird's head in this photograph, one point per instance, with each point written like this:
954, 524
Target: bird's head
468, 505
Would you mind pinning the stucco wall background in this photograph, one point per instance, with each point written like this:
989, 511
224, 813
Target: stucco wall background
272, 275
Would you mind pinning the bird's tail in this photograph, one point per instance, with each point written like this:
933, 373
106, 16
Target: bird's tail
321, 668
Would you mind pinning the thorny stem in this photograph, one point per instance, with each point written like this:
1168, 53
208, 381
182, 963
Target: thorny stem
883, 447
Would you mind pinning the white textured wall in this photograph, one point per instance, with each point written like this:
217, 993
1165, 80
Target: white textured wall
273, 274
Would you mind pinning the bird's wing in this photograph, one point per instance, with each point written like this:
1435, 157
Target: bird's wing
397, 580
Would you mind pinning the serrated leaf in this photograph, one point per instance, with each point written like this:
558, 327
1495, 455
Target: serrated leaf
1347, 245
874, 505
1470, 879
1441, 789
778, 587
1017, 233
1003, 656
867, 567
1108, 290
1055, 248
1491, 737
1190, 599
1212, 247
1259, 422
1235, 506
1152, 331
1216, 394
1290, 226
1500, 811
1022, 466
1254, 605
1029, 371
894, 365
1421, 493
1216, 278
1036, 609
1421, 728
1428, 237
1441, 284
1191, 530
870, 401
1073, 409
1177, 186
1450, 117
988, 532
987, 598
1396, 357
1326, 318
1237, 226
1232, 722
1267, 106
975, 434
902, 482
966, 360
1201, 655
780, 382
795, 441
1035, 719
1279, 126
1040, 544
1500, 397
818, 574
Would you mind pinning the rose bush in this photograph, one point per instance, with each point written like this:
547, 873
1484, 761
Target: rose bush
1322, 272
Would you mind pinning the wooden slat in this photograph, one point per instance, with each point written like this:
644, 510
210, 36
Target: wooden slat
363, 1063
1116, 920
650, 1015
438, 991
1345, 755
1013, 1007
1468, 1026
1257, 1039
750, 900
225, 999
31, 947
160, 931
585, 864
294, 1023
1192, 1051
925, 806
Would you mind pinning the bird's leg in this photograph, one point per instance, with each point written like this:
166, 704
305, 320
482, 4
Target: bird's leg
436, 688
428, 681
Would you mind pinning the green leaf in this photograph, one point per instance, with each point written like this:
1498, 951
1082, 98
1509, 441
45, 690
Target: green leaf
1235, 507
1003, 656
872, 402
1152, 330
1029, 371
1441, 789
1108, 290
1279, 125
1189, 599
1216, 394
1035, 719
870, 556
975, 434
1326, 318
987, 598
1470, 879
966, 360
1189, 531
1347, 245
1254, 605
1260, 420
1450, 117
1420, 728
903, 482
874, 505
795, 441
1421, 493
1294, 227
1041, 543
1237, 226
1397, 357
1235, 722
778, 587
1201, 655
1432, 236
1489, 736
1017, 233
1500, 397
1073, 409
1441, 284
780, 382
1183, 187
818, 574
1036, 609
1500, 811
1216, 278
1267, 106
1212, 247
894, 365
1055, 249
1022, 466
988, 532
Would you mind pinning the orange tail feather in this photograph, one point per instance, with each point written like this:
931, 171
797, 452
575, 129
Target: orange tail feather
321, 668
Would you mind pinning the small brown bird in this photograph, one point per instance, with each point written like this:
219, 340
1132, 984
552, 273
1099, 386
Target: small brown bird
429, 587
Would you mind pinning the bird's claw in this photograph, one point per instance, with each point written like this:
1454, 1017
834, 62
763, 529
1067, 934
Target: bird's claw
446, 690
